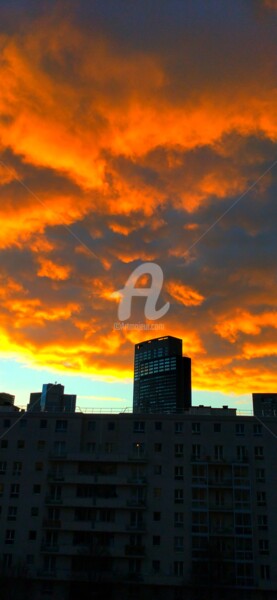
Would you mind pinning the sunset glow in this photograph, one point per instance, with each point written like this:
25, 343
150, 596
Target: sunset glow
122, 143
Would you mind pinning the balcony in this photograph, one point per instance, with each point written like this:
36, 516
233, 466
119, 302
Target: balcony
51, 524
52, 476
136, 457
137, 480
53, 501
222, 531
134, 550
136, 503
217, 507
57, 455
199, 481
221, 483
140, 526
50, 548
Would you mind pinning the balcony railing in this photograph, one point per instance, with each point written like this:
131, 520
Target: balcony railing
51, 524
134, 550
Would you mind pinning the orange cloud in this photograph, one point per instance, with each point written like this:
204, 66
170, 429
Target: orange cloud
184, 294
52, 270
245, 322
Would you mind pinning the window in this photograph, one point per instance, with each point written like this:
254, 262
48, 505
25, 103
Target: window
30, 559
14, 490
139, 427
241, 453
157, 469
259, 452
195, 428
179, 472
111, 426
38, 466
179, 449
156, 540
134, 565
32, 535
4, 443
218, 452
261, 498
91, 425
199, 497
243, 524
156, 516
41, 445
260, 475
196, 451
178, 568
199, 474
179, 427
262, 522
217, 427
36, 488
263, 547
178, 519
91, 447
23, 423
7, 423
59, 448
61, 425
17, 468
109, 447
3, 467
21, 444
156, 566
179, 496
138, 449
49, 565
43, 423
257, 429
9, 536
34, 511
56, 491
179, 543
12, 513
200, 523
157, 447
107, 515
7, 560
158, 425
265, 572
240, 429
2, 489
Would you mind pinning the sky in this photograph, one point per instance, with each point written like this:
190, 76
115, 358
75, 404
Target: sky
137, 132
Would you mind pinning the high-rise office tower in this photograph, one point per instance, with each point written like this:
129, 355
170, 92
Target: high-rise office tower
53, 399
162, 376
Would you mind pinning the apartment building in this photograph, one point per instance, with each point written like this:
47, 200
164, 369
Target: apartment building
173, 506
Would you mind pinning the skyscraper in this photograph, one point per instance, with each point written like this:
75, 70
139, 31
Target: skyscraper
162, 376
52, 398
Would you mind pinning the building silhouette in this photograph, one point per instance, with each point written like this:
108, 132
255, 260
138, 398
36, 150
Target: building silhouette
154, 505
265, 405
162, 376
52, 398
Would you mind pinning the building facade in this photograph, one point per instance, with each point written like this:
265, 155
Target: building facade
162, 376
168, 506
